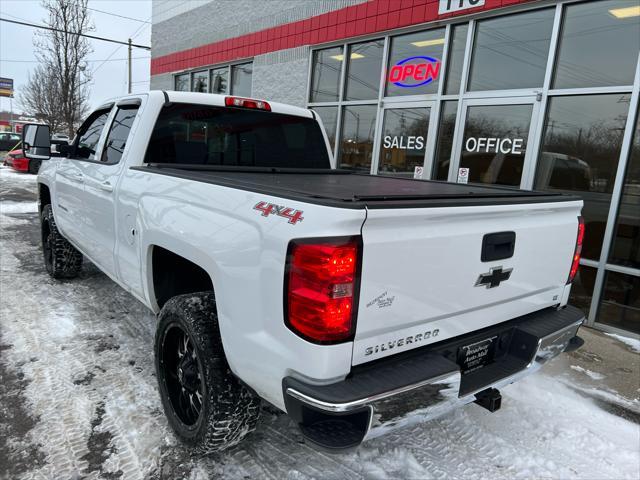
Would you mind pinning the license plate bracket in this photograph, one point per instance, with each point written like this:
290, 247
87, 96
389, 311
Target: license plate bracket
477, 355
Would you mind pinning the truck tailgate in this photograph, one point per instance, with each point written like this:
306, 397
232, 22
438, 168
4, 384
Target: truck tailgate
423, 278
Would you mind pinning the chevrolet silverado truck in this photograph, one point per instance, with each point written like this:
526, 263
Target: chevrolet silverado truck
351, 302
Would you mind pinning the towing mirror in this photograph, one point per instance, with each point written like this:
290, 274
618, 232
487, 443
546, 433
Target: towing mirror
36, 141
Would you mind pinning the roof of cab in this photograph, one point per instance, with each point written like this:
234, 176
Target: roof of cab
218, 100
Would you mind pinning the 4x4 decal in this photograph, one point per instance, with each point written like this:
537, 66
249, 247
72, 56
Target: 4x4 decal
294, 216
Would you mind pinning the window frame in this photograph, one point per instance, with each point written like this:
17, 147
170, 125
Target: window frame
209, 69
126, 106
99, 146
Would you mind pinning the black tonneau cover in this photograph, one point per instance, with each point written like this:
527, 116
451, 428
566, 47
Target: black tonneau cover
346, 189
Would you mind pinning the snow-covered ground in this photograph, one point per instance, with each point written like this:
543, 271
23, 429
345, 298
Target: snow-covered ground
633, 343
78, 399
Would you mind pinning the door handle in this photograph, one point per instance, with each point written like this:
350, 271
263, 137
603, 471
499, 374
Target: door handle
106, 186
78, 177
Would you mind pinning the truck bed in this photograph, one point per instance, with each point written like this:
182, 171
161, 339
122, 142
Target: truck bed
346, 189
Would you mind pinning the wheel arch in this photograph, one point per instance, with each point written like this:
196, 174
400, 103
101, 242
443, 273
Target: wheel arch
44, 196
172, 272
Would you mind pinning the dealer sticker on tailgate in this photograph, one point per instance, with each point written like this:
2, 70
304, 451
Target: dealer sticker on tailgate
477, 355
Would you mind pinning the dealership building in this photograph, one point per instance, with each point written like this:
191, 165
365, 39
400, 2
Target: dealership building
529, 94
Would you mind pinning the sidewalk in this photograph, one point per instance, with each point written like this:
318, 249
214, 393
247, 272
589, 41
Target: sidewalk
605, 369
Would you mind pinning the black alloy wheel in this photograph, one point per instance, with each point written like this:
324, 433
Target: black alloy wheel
47, 247
182, 375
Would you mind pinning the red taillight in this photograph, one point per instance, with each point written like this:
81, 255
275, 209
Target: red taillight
578, 251
247, 103
321, 283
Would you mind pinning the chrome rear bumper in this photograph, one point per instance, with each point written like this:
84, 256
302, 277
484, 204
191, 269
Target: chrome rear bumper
423, 384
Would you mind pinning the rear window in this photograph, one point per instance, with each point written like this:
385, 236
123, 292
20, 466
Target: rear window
204, 135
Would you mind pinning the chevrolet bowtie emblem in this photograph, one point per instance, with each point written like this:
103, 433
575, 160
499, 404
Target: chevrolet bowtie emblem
495, 276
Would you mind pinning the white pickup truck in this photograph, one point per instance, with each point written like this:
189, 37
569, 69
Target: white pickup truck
347, 301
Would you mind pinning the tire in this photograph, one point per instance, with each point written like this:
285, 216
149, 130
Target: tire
34, 166
206, 406
61, 259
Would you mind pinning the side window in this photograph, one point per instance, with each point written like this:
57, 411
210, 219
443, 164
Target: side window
89, 135
117, 138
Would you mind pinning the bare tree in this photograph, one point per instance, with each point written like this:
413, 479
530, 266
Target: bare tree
41, 98
64, 53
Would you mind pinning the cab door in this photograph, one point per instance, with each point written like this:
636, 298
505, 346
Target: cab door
69, 191
100, 180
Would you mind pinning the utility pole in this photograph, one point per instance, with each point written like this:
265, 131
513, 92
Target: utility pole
129, 65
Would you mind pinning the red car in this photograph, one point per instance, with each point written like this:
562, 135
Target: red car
16, 160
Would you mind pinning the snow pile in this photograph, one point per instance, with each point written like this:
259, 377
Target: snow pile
632, 343
7, 174
588, 373
8, 207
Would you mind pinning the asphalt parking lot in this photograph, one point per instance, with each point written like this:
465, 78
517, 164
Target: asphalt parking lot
78, 396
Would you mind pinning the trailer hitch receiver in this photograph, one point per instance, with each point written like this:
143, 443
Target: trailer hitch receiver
489, 399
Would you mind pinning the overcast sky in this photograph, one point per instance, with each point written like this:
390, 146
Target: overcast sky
17, 57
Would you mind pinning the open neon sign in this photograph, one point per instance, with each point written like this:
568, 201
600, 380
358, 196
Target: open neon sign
414, 71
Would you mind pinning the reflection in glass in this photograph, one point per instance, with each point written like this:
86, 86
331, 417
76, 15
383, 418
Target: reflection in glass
620, 302
598, 45
117, 138
241, 79
445, 139
200, 82
219, 79
363, 70
456, 58
625, 249
329, 116
582, 287
182, 82
356, 141
90, 133
495, 142
325, 76
511, 51
404, 140
423, 44
579, 153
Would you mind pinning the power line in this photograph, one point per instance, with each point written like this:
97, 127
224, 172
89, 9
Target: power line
44, 27
116, 15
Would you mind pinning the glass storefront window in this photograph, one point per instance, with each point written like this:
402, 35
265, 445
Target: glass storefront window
182, 82
200, 82
579, 153
495, 143
356, 141
404, 140
456, 58
415, 63
329, 116
620, 302
363, 70
511, 51
219, 79
325, 75
598, 44
625, 249
446, 129
241, 79
582, 288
